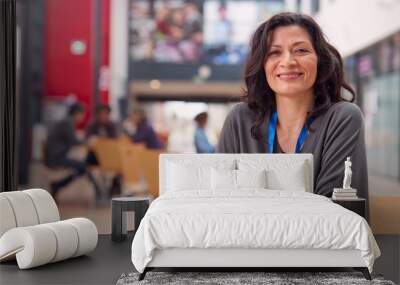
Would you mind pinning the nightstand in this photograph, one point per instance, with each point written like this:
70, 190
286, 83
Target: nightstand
119, 206
358, 205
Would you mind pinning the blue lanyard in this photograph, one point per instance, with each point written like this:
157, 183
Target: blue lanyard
272, 133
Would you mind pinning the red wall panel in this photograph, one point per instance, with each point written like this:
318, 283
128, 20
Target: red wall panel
66, 73
104, 83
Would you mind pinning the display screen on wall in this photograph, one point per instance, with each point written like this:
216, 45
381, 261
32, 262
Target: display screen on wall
192, 32
166, 31
228, 26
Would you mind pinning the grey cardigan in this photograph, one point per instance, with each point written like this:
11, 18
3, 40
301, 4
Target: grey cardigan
337, 134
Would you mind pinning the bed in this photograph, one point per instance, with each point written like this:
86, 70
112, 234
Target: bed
247, 210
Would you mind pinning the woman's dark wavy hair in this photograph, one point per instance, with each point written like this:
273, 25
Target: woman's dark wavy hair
330, 78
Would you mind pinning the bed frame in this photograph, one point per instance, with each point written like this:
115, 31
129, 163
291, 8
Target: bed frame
242, 259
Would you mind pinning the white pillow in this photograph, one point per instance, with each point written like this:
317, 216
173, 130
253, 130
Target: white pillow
181, 177
293, 179
251, 178
223, 179
227, 179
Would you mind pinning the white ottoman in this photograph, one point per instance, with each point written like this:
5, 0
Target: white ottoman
31, 232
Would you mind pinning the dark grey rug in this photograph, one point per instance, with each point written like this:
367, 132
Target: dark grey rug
273, 278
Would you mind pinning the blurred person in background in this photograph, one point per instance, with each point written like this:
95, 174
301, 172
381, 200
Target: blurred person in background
200, 138
139, 129
294, 103
100, 127
61, 140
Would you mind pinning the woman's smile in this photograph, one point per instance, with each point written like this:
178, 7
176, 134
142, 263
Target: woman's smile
290, 76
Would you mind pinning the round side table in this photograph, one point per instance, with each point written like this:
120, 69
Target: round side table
119, 206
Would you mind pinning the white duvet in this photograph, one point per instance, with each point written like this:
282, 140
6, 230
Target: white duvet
253, 218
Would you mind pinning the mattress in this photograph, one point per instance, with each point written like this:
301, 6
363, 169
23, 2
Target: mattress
251, 219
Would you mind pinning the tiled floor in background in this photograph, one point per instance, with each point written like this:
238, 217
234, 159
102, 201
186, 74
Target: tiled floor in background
101, 216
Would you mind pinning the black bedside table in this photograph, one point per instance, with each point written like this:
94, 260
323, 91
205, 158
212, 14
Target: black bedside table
358, 206
119, 206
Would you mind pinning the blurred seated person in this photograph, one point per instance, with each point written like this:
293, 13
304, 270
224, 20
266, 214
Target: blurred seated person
200, 138
61, 139
101, 127
140, 131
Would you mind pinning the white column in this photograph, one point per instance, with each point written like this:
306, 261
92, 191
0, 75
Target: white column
118, 53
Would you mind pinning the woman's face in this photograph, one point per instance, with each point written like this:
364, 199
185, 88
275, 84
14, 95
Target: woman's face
291, 64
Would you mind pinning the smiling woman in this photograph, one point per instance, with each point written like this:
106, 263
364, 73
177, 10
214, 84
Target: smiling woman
293, 103
291, 65
291, 71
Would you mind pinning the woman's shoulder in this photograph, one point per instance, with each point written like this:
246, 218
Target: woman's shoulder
343, 110
345, 114
240, 111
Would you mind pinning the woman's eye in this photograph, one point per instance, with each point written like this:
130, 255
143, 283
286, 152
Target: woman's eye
274, 52
301, 50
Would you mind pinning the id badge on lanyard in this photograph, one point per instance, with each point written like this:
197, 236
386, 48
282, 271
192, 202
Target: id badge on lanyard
273, 122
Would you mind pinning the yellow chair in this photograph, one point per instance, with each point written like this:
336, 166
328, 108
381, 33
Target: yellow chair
108, 154
124, 139
108, 170
130, 165
149, 161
